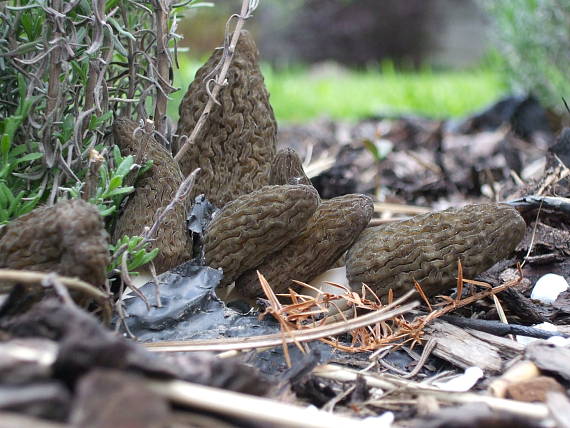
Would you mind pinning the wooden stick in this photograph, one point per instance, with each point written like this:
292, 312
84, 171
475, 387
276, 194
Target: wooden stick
238, 405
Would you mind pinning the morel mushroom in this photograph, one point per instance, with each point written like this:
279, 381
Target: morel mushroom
154, 191
331, 230
68, 238
426, 248
255, 225
236, 145
287, 168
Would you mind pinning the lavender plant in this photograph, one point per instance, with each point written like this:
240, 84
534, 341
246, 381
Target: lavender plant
66, 69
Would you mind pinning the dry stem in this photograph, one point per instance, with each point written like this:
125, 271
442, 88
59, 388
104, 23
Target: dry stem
390, 383
163, 62
270, 340
238, 405
35, 279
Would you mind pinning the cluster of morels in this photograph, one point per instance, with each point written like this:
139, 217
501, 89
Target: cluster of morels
272, 218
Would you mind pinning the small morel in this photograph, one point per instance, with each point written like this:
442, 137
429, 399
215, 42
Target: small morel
330, 232
255, 225
68, 238
155, 189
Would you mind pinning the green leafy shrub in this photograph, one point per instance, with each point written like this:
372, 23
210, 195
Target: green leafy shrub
110, 189
67, 68
534, 38
138, 252
18, 193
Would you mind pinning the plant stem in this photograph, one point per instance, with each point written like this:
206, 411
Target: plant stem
161, 12
54, 87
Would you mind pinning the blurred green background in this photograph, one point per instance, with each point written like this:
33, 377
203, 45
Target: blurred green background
300, 93
351, 59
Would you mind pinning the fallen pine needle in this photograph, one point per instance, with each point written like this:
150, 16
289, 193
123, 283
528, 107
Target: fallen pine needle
270, 340
404, 330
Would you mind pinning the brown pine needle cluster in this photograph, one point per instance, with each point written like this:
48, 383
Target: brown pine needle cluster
306, 312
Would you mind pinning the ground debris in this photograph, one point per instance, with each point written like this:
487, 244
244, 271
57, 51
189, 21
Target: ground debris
54, 351
465, 350
108, 398
473, 416
58, 364
550, 358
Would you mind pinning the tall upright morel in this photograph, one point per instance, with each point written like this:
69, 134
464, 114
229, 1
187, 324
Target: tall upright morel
236, 145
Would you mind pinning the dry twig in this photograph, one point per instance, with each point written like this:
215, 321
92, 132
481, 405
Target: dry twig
391, 383
242, 406
10, 277
270, 340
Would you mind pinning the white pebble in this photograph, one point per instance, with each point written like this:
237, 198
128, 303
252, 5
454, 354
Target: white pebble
385, 420
548, 287
336, 275
462, 383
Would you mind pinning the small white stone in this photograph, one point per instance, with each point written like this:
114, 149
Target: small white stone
336, 275
548, 287
385, 420
462, 383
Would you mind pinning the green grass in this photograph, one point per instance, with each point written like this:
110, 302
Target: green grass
298, 95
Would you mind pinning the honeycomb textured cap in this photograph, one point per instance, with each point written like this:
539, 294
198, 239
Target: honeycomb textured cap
287, 168
68, 238
255, 225
154, 191
426, 248
236, 145
332, 229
